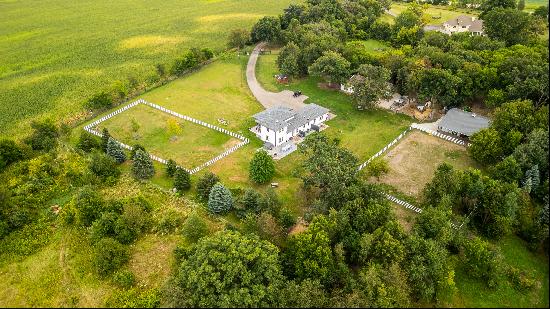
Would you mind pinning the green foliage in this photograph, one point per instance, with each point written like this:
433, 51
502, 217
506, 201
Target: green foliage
131, 223
482, 261
486, 146
331, 66
44, 135
370, 84
238, 38
384, 287
135, 148
195, 227
220, 199
383, 246
309, 256
427, 267
308, 293
182, 180
229, 270
507, 170
134, 298
88, 205
288, 60
205, 184
104, 166
124, 279
268, 29
377, 167
489, 5
511, 26
171, 167
142, 165
286, 218
105, 137
109, 256
434, 223
99, 101
115, 151
328, 167
10, 152
252, 201
87, 141
262, 167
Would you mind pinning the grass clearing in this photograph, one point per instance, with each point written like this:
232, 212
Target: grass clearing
415, 158
438, 13
167, 136
58, 53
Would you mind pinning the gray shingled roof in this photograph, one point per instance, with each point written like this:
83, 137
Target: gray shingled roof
463, 122
476, 25
278, 117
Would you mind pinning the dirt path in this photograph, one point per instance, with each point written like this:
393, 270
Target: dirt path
266, 98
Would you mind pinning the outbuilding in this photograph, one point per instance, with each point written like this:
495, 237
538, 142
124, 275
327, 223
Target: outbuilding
462, 123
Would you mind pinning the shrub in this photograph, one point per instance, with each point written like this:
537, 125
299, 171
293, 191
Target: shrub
10, 152
262, 168
109, 255
100, 100
207, 53
105, 137
220, 199
115, 151
171, 167
251, 201
87, 141
104, 226
377, 167
135, 148
520, 279
103, 166
482, 261
286, 218
142, 166
44, 135
238, 38
205, 184
182, 180
194, 228
88, 205
133, 221
124, 279
134, 298
169, 221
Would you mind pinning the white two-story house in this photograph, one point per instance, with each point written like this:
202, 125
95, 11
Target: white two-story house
278, 125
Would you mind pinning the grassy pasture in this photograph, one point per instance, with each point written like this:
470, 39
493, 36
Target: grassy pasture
187, 143
437, 13
58, 53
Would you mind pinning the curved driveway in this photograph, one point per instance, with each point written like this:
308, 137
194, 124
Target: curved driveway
266, 98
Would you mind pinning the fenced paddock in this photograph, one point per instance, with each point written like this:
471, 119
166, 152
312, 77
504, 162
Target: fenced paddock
243, 140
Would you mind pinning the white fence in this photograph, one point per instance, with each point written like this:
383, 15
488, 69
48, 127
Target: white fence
362, 166
440, 135
224, 154
403, 203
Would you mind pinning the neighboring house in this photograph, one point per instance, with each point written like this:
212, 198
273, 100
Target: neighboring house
422, 106
461, 123
277, 125
463, 23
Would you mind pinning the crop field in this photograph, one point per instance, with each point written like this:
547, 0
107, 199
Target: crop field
168, 137
58, 53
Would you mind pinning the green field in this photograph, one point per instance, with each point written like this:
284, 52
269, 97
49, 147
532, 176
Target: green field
58, 53
167, 136
437, 14
531, 5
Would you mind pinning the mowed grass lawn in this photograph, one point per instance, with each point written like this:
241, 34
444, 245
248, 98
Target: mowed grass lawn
58, 53
438, 14
167, 136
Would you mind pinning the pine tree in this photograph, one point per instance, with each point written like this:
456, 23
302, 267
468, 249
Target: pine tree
115, 150
205, 184
134, 149
142, 166
220, 199
262, 167
171, 168
105, 136
182, 179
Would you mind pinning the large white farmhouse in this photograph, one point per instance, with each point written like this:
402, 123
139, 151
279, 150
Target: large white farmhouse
463, 23
278, 125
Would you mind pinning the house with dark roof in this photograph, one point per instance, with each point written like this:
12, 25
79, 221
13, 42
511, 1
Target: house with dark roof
463, 23
278, 125
461, 123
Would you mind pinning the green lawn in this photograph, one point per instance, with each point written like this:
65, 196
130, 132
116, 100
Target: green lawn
531, 5
474, 293
58, 53
437, 13
167, 136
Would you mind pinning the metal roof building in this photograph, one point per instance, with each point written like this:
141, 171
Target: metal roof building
459, 122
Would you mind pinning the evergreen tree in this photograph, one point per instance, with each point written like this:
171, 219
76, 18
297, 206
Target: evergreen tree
135, 149
87, 142
105, 136
115, 150
171, 168
182, 179
142, 167
220, 199
205, 184
262, 167
521, 5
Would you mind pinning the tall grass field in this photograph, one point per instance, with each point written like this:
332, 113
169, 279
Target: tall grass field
55, 54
